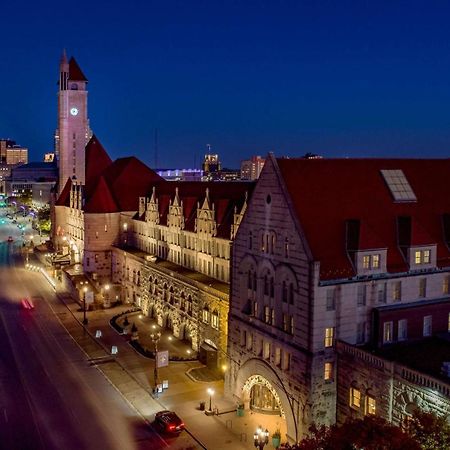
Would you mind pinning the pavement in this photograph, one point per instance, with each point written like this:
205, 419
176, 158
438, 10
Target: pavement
188, 381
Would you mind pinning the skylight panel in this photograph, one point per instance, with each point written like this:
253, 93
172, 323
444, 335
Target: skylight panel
397, 183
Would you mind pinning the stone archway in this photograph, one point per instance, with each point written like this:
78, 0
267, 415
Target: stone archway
248, 374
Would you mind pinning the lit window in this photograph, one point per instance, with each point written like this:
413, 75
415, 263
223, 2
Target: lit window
215, 320
355, 397
422, 256
418, 257
427, 325
366, 262
106, 228
329, 335
266, 314
266, 350
371, 405
375, 261
205, 315
387, 332
328, 371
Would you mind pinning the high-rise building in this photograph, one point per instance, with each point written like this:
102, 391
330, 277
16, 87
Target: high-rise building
73, 130
11, 153
251, 168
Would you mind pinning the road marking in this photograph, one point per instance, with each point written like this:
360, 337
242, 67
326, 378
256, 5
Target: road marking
6, 415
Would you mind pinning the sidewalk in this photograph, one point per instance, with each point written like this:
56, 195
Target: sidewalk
134, 379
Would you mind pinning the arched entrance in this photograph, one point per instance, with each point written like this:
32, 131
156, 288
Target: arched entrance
263, 398
259, 388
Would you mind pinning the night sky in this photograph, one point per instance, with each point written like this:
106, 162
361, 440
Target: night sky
338, 78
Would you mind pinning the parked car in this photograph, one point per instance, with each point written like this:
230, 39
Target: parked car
169, 422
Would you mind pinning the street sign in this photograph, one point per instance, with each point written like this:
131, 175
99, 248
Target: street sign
98, 334
162, 358
159, 388
165, 384
114, 350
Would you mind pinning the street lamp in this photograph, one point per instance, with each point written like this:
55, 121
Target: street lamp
210, 393
260, 438
85, 321
107, 295
155, 339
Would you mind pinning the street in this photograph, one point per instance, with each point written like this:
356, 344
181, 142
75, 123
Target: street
50, 396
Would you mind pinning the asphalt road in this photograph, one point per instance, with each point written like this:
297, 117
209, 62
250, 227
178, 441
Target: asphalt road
50, 396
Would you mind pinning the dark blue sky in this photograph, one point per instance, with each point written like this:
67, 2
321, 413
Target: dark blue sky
339, 78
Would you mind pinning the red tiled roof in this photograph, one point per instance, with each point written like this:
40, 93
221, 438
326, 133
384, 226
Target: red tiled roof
75, 73
128, 179
326, 193
64, 197
101, 201
96, 161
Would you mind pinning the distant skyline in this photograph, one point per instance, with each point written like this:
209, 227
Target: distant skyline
341, 79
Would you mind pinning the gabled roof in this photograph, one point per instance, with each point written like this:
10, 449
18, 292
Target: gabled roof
96, 160
326, 193
75, 73
101, 201
128, 179
64, 197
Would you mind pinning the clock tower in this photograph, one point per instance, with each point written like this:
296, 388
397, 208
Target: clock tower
73, 130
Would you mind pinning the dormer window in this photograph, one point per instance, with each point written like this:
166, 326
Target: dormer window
371, 261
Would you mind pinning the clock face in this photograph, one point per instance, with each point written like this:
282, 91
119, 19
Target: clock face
73, 111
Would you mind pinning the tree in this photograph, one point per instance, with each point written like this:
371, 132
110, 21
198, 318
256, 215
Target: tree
369, 433
430, 431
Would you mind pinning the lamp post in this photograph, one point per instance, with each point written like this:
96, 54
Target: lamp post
155, 339
210, 393
106, 304
85, 321
260, 438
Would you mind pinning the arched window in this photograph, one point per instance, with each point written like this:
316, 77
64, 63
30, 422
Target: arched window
182, 301
272, 287
291, 293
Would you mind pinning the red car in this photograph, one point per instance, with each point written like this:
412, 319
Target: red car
27, 303
169, 422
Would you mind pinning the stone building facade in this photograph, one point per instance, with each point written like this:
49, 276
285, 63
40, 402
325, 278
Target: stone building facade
354, 250
163, 246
